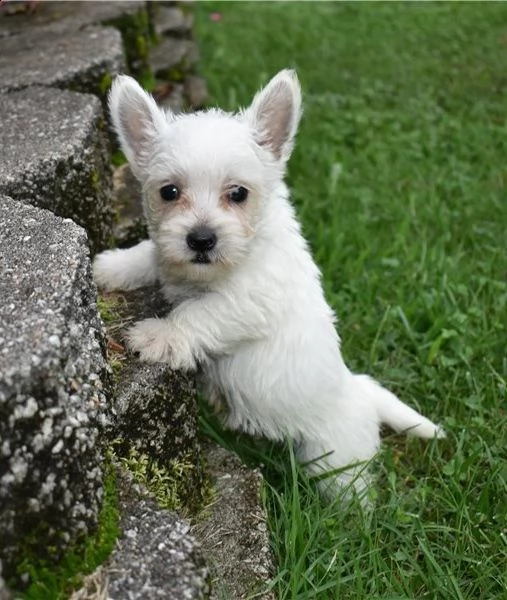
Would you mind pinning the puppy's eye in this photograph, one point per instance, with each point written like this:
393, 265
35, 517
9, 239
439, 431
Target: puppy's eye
238, 194
170, 192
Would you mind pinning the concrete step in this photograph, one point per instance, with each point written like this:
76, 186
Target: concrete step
64, 16
172, 58
155, 408
55, 155
156, 555
172, 21
52, 378
233, 532
83, 61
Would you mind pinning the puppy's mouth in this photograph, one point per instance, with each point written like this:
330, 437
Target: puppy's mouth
201, 258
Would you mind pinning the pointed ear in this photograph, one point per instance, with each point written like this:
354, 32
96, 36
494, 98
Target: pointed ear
137, 120
275, 112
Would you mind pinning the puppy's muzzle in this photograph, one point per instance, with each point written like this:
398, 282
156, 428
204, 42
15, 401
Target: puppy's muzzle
201, 239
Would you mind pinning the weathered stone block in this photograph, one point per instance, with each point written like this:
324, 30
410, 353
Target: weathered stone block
172, 20
171, 58
4, 592
130, 224
55, 155
156, 556
171, 98
157, 416
130, 18
233, 532
83, 61
155, 408
64, 16
196, 91
52, 377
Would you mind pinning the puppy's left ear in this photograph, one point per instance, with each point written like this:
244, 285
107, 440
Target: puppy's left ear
275, 112
138, 122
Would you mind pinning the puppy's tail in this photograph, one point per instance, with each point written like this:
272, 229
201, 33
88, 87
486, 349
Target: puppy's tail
393, 412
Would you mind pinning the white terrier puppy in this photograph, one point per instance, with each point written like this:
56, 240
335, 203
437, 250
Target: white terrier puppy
248, 304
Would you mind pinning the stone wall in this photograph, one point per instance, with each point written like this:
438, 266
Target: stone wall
69, 393
52, 401
57, 404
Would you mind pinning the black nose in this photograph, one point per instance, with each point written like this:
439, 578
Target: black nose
201, 239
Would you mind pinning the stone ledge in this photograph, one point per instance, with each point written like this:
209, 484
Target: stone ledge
52, 376
130, 226
155, 408
173, 57
156, 556
83, 61
4, 592
172, 20
64, 16
55, 155
233, 532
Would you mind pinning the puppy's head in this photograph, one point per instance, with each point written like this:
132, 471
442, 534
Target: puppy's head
207, 176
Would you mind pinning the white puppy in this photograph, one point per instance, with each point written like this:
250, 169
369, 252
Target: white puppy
248, 305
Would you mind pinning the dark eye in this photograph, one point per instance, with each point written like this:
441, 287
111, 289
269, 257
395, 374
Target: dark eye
238, 194
169, 193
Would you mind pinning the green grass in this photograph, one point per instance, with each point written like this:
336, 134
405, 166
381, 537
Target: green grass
399, 179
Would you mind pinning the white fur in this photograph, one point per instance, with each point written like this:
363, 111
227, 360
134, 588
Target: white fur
139, 268
255, 317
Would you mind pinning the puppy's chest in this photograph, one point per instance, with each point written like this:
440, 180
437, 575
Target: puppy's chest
236, 377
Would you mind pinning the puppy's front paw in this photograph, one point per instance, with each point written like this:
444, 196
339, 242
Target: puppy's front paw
107, 270
158, 341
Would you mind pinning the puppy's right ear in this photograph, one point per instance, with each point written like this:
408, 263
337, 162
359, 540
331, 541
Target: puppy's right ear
137, 120
275, 112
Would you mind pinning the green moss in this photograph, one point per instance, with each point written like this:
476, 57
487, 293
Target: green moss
105, 83
109, 307
136, 34
95, 181
116, 367
186, 8
141, 46
55, 582
118, 158
165, 482
153, 10
147, 80
177, 73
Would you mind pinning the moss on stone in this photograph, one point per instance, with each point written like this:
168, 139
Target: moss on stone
54, 581
95, 181
116, 367
97, 81
105, 83
178, 73
156, 437
132, 234
147, 80
141, 46
168, 482
118, 158
136, 33
109, 307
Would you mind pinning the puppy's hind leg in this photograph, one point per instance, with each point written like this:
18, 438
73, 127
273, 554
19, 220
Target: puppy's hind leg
335, 477
127, 269
338, 457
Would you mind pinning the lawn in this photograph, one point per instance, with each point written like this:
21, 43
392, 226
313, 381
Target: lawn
399, 178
